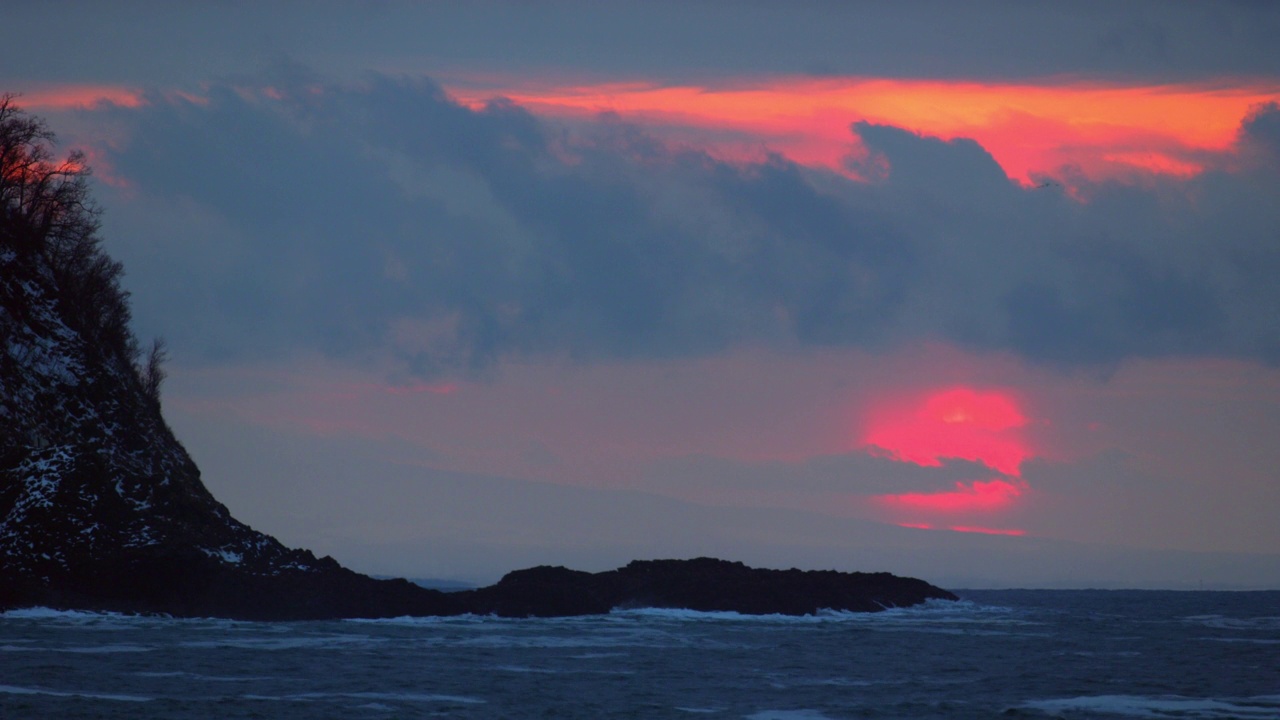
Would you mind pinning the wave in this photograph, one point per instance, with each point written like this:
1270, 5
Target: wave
1221, 622
787, 715
1265, 707
394, 697
466, 619
108, 619
932, 612
15, 690
103, 649
44, 613
931, 609
212, 678
323, 642
1246, 641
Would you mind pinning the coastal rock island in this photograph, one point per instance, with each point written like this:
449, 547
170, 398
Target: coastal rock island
703, 584
101, 508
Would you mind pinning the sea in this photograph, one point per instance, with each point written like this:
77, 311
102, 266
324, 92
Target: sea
994, 654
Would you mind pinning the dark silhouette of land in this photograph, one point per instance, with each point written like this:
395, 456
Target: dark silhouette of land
101, 508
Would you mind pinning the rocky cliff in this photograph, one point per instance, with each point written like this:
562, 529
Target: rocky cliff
100, 506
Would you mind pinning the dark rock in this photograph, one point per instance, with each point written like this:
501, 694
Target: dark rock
100, 506
702, 584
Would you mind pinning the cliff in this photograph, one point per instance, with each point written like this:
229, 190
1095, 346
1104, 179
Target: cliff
100, 506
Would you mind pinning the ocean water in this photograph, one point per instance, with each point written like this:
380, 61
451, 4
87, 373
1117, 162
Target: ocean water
1006, 654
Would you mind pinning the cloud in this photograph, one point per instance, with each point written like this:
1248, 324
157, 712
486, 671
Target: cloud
1151, 268
930, 164
822, 478
383, 218
977, 496
1260, 138
156, 43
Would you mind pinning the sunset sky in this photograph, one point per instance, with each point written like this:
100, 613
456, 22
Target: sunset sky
982, 292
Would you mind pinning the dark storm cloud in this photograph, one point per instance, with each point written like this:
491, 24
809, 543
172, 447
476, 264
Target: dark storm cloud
1156, 268
389, 209
1260, 138
381, 215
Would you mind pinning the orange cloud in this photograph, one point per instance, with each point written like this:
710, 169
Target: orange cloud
70, 97
1030, 129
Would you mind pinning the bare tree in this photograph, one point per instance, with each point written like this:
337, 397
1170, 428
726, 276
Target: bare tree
46, 211
45, 201
152, 374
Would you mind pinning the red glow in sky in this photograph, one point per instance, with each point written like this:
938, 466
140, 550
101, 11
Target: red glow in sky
959, 423
66, 97
978, 496
986, 530
1101, 131
955, 423
964, 528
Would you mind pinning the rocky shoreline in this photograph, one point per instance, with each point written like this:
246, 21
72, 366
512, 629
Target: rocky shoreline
193, 585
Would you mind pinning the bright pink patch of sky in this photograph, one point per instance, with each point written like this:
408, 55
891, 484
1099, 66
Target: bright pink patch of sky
981, 496
960, 423
955, 423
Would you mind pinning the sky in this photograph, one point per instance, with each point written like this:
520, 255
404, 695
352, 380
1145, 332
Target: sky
984, 293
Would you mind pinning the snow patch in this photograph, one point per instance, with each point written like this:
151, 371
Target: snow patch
226, 556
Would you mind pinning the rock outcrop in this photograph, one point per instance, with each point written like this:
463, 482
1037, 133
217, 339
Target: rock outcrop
102, 508
703, 584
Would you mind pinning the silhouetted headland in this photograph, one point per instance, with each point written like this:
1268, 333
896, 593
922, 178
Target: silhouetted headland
101, 508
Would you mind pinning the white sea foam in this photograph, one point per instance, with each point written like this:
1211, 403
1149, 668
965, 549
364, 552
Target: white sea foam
103, 649
787, 715
1230, 623
527, 669
416, 620
680, 614
15, 690
321, 642
1164, 706
962, 611
955, 610
113, 620
44, 613
415, 697
388, 696
208, 678
562, 641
